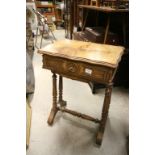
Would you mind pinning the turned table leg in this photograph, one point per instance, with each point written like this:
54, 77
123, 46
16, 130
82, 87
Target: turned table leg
61, 101
54, 108
105, 110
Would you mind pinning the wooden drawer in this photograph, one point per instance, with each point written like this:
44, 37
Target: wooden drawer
78, 70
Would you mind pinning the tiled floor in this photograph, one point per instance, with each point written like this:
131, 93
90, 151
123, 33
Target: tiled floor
71, 135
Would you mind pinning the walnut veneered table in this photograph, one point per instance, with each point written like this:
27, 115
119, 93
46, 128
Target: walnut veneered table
82, 61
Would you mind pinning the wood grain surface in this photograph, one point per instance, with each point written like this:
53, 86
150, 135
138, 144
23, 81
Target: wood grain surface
101, 54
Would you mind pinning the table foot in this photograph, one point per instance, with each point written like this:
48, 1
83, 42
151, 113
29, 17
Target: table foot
51, 116
62, 103
99, 137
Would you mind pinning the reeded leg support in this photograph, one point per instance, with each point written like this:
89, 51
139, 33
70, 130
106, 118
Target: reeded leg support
61, 101
105, 110
54, 108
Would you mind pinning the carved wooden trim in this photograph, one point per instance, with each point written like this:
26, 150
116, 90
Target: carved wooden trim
78, 70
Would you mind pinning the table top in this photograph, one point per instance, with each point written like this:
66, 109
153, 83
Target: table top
99, 54
104, 9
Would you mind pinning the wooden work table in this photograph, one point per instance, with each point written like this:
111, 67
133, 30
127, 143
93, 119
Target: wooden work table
82, 61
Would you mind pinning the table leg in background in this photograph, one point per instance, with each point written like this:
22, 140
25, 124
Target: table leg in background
107, 29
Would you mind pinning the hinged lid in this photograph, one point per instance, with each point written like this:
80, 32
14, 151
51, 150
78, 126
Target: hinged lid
100, 54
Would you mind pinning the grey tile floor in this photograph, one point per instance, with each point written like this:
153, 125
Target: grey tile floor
71, 135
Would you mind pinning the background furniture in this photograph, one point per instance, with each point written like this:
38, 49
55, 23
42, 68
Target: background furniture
68, 17
47, 9
95, 2
109, 24
84, 62
59, 13
44, 27
52, 10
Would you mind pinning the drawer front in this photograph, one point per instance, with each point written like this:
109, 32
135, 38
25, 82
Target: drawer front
95, 73
78, 70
